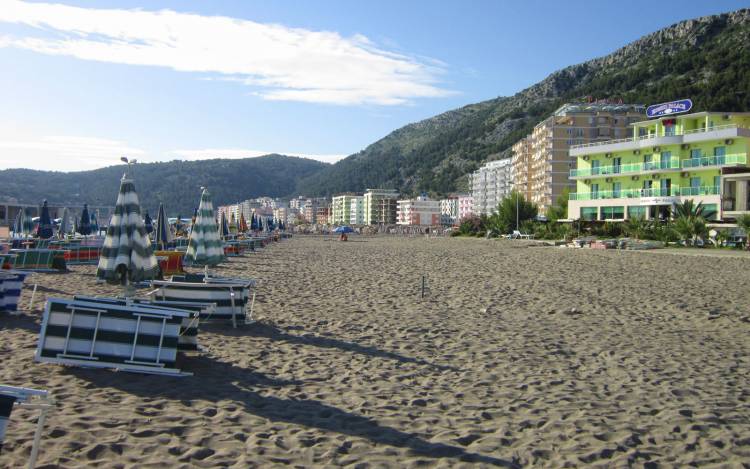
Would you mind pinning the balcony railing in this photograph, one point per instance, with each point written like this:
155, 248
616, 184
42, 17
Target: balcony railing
639, 193
733, 159
650, 136
736, 158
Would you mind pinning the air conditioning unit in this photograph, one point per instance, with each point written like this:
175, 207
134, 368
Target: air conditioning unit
608, 180
586, 158
655, 176
728, 141
636, 152
634, 178
587, 181
725, 117
657, 149
685, 146
608, 155
684, 174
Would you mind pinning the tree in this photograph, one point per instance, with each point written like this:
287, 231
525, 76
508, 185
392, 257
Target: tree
743, 221
635, 226
689, 209
560, 208
506, 219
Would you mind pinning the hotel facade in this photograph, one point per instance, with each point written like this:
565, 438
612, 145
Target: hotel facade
419, 211
380, 206
490, 184
701, 156
341, 209
541, 161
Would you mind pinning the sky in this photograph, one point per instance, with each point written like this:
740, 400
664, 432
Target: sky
86, 82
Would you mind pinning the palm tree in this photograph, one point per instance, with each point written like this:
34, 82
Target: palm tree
743, 221
689, 209
635, 226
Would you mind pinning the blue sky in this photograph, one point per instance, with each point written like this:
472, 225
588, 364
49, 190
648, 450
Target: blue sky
85, 82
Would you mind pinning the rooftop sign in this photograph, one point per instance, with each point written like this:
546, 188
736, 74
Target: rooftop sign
665, 109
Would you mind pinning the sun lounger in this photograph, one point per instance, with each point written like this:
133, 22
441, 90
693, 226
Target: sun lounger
11, 283
129, 337
188, 338
233, 249
40, 260
518, 235
12, 396
231, 296
171, 263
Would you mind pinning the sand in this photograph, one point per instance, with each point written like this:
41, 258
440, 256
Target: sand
518, 356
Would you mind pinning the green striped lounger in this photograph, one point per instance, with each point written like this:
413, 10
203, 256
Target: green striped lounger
133, 337
231, 296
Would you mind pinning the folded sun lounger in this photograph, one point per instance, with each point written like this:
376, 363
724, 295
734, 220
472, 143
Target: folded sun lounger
12, 396
11, 283
129, 337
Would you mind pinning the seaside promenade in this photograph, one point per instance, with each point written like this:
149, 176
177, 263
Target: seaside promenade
517, 356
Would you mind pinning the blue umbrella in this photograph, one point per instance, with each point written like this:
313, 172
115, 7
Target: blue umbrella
344, 229
148, 223
94, 223
84, 226
44, 231
253, 224
162, 234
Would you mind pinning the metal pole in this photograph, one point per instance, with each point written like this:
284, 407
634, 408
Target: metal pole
516, 211
37, 438
423, 284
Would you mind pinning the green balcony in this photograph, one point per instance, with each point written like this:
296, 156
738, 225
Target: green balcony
626, 168
674, 191
722, 160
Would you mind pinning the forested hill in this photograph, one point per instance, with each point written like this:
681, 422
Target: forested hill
176, 183
706, 59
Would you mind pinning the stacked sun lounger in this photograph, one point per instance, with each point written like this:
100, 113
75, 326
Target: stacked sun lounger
11, 283
230, 295
13, 396
101, 334
40, 260
170, 262
188, 338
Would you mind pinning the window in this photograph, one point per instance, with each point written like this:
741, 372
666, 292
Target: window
613, 213
647, 161
711, 212
616, 188
616, 164
636, 212
694, 154
588, 213
666, 187
717, 183
595, 167
665, 158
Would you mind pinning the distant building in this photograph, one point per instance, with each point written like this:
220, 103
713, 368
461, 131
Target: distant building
357, 210
454, 208
419, 211
521, 162
341, 206
380, 206
490, 184
323, 214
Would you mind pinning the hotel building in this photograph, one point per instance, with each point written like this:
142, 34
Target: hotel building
419, 211
455, 208
701, 156
341, 206
380, 206
357, 210
490, 184
543, 161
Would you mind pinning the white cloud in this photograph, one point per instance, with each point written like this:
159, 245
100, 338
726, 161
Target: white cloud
70, 153
279, 62
64, 153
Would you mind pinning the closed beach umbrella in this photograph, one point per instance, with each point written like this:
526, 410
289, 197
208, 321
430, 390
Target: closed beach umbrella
163, 235
224, 226
205, 247
242, 226
44, 230
148, 223
64, 227
126, 254
94, 223
84, 226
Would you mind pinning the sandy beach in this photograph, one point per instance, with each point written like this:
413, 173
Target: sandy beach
518, 356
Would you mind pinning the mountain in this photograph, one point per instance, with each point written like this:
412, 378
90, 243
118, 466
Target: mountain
176, 183
706, 59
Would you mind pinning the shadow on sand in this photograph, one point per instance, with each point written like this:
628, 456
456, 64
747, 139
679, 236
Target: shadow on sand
223, 381
270, 331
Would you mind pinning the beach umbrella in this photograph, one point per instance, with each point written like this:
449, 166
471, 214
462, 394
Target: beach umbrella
242, 224
223, 226
126, 253
253, 224
64, 227
344, 229
162, 233
148, 223
84, 226
23, 224
44, 230
94, 223
204, 247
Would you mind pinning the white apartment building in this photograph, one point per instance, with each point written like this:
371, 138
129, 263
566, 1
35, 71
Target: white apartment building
455, 208
490, 184
380, 206
419, 211
357, 210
